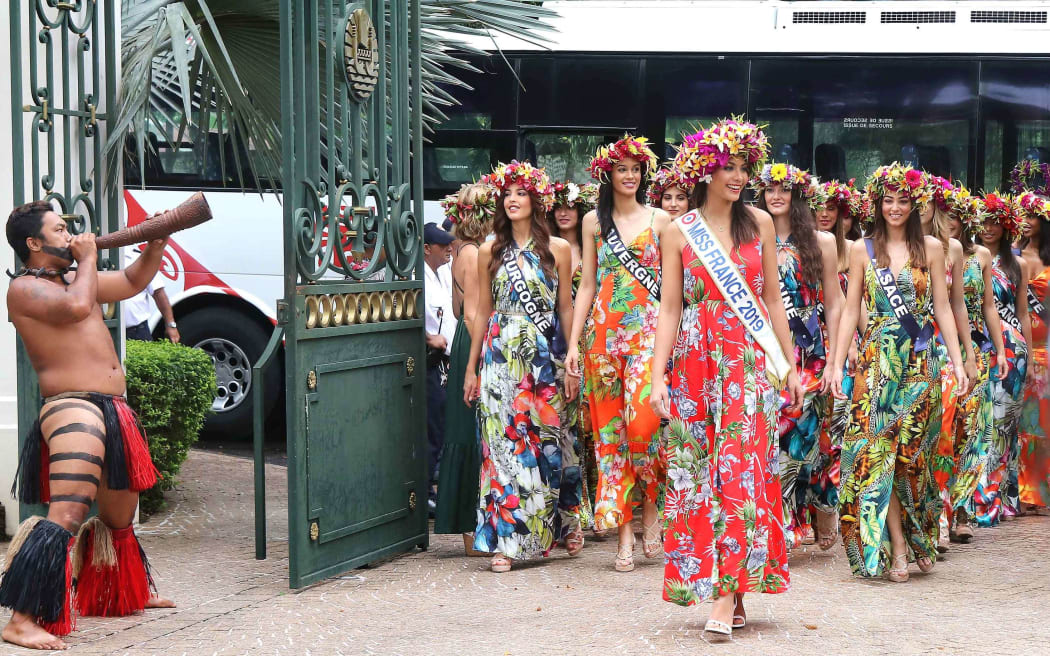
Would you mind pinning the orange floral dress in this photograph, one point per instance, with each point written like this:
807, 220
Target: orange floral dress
618, 345
1034, 475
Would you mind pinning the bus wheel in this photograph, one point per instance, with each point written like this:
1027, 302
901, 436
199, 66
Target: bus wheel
235, 342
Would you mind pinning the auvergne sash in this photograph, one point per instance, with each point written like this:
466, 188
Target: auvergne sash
532, 306
884, 276
738, 295
807, 332
630, 262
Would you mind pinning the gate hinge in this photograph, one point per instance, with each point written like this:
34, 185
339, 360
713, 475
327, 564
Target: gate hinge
282, 313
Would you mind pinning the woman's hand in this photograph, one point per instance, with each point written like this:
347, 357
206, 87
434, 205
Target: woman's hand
659, 400
793, 387
572, 386
572, 362
1001, 367
834, 379
851, 355
962, 379
471, 390
971, 373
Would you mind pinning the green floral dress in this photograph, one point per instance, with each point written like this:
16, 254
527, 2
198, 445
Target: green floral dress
889, 443
519, 415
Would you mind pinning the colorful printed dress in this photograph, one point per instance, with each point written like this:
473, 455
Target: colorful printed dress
974, 421
618, 342
839, 413
801, 478
519, 416
723, 514
575, 500
1034, 477
997, 490
888, 443
943, 418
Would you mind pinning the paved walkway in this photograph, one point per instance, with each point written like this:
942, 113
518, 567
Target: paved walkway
989, 597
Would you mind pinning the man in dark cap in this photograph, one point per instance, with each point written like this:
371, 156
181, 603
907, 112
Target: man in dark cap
440, 328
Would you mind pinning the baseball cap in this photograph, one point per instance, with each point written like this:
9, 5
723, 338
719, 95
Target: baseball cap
435, 235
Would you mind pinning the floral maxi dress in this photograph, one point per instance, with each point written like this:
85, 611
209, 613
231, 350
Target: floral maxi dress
519, 416
889, 442
723, 514
1034, 475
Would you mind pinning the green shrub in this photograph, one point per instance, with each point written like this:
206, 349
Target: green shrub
171, 387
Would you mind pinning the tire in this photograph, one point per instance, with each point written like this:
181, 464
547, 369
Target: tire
235, 342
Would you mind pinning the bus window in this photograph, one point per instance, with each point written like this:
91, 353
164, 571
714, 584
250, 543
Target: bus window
584, 91
565, 155
691, 93
843, 119
1015, 100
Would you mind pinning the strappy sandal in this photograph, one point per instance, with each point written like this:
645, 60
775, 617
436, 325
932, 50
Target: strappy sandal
500, 563
738, 604
625, 563
720, 628
961, 532
652, 546
925, 564
898, 572
574, 542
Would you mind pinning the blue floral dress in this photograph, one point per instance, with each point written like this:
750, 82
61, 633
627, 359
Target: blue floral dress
519, 416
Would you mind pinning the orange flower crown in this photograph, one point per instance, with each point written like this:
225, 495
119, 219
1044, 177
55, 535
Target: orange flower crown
629, 147
527, 176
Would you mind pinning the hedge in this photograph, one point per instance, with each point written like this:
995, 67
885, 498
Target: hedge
171, 387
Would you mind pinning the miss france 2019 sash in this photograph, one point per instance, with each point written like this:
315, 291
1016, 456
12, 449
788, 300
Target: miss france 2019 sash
517, 282
920, 336
630, 262
737, 293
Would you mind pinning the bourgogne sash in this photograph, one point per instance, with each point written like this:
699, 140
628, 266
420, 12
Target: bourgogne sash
1007, 314
630, 262
1035, 306
532, 306
738, 294
884, 276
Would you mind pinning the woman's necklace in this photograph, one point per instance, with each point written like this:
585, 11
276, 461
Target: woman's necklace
719, 228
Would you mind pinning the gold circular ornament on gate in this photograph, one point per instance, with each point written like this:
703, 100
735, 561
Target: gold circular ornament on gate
360, 55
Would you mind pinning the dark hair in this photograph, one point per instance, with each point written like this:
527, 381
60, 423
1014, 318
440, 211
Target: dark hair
966, 240
742, 225
24, 222
605, 200
1044, 239
658, 202
555, 229
1008, 261
912, 233
854, 233
804, 234
504, 235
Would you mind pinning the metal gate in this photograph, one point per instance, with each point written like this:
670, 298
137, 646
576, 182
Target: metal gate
63, 83
352, 309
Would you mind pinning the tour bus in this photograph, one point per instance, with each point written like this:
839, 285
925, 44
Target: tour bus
958, 88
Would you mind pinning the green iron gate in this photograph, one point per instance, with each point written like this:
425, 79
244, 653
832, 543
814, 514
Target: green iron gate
354, 348
63, 81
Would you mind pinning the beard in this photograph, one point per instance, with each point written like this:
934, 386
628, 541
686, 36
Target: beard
64, 253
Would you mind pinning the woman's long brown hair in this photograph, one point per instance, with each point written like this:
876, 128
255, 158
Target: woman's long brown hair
804, 234
504, 235
742, 225
912, 234
555, 229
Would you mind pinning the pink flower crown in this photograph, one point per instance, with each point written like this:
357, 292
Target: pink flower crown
629, 147
791, 178
664, 179
706, 151
1035, 205
938, 188
1004, 210
1027, 175
583, 197
898, 177
524, 174
848, 199
483, 209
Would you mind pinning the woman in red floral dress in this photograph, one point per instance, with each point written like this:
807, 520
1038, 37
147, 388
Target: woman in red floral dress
723, 517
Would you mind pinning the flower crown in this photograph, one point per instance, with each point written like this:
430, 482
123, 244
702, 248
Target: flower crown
706, 151
636, 148
898, 177
846, 196
526, 175
965, 208
1035, 205
1025, 177
483, 209
790, 178
664, 179
1004, 210
583, 197
938, 188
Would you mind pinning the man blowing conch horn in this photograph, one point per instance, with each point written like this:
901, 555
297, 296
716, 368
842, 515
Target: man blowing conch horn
87, 444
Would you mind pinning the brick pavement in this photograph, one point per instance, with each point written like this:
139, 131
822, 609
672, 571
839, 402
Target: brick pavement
988, 597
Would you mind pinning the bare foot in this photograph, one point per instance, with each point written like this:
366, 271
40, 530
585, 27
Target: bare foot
157, 602
23, 631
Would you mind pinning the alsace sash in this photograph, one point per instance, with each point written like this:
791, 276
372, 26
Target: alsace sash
532, 305
738, 294
1007, 314
888, 282
630, 262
